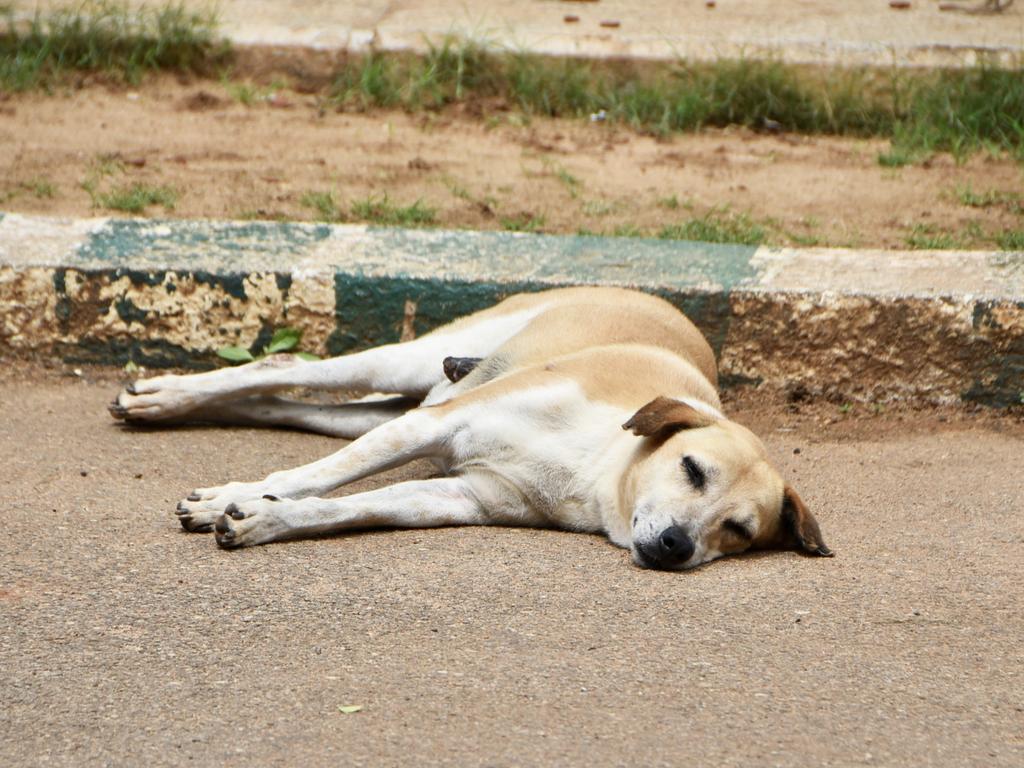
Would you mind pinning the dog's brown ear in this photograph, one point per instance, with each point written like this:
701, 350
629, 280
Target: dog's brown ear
799, 528
663, 415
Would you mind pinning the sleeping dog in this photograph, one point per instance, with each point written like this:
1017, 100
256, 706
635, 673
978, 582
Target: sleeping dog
587, 409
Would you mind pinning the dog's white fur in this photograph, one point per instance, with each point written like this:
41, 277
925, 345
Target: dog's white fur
532, 436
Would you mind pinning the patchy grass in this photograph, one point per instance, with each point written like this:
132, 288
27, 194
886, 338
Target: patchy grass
106, 37
523, 222
629, 230
571, 183
1011, 240
133, 197
805, 240
248, 93
717, 227
323, 204
993, 198
136, 197
897, 157
458, 190
380, 210
597, 207
41, 188
923, 112
654, 98
961, 111
930, 238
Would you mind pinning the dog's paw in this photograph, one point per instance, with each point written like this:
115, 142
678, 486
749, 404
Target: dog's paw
200, 510
252, 522
195, 520
160, 398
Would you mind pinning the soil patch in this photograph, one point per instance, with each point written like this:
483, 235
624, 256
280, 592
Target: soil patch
239, 152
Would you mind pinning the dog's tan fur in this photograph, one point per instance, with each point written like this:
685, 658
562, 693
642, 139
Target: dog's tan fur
531, 436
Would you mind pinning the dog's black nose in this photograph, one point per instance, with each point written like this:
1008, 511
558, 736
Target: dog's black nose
675, 547
670, 550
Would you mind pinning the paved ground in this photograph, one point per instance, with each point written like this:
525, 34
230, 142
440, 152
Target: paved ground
797, 30
124, 641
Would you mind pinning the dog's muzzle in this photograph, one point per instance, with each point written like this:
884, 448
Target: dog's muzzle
669, 551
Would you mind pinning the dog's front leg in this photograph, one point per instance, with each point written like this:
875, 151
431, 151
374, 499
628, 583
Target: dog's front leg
416, 434
445, 501
413, 504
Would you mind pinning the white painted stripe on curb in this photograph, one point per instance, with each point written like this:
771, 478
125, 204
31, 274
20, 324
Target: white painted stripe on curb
872, 272
41, 241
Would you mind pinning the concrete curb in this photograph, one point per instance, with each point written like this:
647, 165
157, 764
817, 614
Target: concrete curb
931, 326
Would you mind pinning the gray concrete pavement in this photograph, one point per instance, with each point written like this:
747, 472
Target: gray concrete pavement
832, 31
125, 641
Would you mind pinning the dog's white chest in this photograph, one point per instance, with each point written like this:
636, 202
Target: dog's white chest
547, 444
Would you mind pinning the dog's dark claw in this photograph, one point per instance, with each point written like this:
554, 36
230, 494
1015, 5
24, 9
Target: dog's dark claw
233, 510
117, 410
186, 523
181, 509
193, 497
223, 528
130, 388
270, 497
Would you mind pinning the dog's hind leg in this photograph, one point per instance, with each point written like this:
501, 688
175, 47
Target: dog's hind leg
393, 369
413, 504
411, 368
348, 420
418, 433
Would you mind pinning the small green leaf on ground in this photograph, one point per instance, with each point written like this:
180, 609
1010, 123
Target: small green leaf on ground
307, 356
349, 709
283, 340
236, 354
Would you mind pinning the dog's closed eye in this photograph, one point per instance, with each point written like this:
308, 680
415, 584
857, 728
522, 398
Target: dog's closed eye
737, 528
695, 473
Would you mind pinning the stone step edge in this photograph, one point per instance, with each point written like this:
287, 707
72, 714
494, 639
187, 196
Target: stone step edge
931, 326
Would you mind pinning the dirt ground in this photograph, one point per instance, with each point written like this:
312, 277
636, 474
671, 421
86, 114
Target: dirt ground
225, 159
125, 641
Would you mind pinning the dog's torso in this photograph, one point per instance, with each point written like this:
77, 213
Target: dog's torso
542, 327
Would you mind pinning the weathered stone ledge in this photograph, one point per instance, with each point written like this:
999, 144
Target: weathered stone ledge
933, 326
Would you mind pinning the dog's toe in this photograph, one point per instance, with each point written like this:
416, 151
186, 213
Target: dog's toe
195, 519
233, 511
223, 527
193, 526
225, 534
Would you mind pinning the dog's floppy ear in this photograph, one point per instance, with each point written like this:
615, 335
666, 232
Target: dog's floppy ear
798, 526
663, 415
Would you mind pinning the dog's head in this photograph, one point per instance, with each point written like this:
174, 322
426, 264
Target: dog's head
702, 487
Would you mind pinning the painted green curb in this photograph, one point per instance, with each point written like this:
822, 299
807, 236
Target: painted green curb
859, 325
